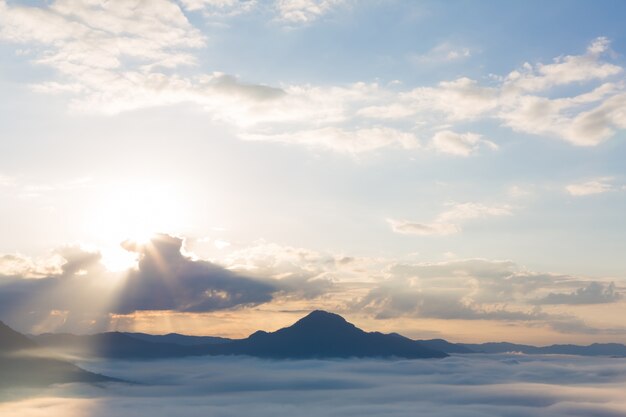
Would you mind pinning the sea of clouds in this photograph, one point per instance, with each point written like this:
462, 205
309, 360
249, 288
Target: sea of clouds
463, 386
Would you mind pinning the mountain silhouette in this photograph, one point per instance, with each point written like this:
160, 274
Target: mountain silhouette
318, 335
179, 339
325, 335
11, 341
110, 345
23, 364
595, 349
445, 346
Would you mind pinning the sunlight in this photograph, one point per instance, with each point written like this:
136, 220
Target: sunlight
135, 212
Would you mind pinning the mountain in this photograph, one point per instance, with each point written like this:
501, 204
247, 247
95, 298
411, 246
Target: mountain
325, 335
318, 335
445, 346
595, 349
179, 339
21, 366
11, 341
113, 345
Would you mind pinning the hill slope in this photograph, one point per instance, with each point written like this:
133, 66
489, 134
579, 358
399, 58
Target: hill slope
19, 367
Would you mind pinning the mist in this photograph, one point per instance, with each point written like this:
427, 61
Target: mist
476, 386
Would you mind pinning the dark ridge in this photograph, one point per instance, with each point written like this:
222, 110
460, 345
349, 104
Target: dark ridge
595, 349
20, 367
445, 346
10, 340
179, 339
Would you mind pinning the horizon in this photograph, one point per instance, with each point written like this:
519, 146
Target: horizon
439, 170
272, 331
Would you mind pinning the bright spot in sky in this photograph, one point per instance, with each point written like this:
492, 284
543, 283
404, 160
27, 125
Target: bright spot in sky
136, 212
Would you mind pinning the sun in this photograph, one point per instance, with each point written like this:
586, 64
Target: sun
136, 212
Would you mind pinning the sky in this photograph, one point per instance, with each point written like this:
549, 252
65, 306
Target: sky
439, 169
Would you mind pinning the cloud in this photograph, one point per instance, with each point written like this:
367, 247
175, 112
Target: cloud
17, 265
594, 293
457, 386
343, 141
72, 291
220, 7
564, 70
443, 52
524, 100
93, 36
168, 280
480, 289
407, 227
460, 144
305, 11
78, 292
597, 186
291, 12
118, 56
448, 221
460, 99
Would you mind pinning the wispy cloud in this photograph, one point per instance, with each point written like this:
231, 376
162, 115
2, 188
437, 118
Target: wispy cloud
460, 144
597, 186
449, 221
304, 11
441, 53
220, 7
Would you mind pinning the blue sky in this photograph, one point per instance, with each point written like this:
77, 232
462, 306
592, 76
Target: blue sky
277, 138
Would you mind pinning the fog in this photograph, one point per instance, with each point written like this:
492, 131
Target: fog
468, 386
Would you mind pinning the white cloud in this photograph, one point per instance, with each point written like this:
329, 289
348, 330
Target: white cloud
286, 11
523, 100
565, 70
460, 144
407, 227
460, 99
118, 56
597, 186
304, 11
343, 141
443, 52
457, 386
220, 7
449, 221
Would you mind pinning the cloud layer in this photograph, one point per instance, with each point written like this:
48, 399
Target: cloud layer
74, 292
476, 385
113, 58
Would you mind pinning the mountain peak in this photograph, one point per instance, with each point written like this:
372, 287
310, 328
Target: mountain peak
321, 315
321, 334
322, 320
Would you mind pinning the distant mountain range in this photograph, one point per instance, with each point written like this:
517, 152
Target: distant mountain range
21, 366
318, 335
596, 349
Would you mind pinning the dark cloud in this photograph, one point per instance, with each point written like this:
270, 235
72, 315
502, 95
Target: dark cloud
395, 301
594, 293
82, 293
168, 280
477, 289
